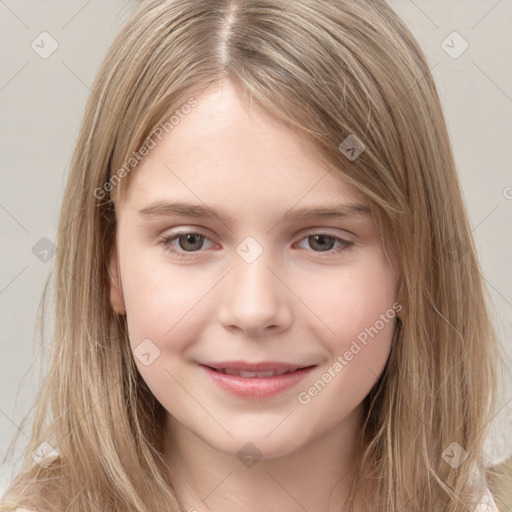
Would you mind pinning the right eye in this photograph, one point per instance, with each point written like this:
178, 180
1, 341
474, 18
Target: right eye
188, 242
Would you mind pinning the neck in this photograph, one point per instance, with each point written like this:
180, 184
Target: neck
316, 477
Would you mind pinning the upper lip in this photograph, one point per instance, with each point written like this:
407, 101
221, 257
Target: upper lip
255, 367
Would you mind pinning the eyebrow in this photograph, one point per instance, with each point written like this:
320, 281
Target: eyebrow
163, 208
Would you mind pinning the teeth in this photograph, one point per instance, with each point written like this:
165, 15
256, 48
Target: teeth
259, 375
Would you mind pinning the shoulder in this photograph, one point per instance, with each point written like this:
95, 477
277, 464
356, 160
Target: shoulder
487, 503
6, 506
18, 509
499, 479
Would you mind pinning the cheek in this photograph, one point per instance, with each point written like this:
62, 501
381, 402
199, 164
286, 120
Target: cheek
164, 302
361, 309
356, 303
166, 306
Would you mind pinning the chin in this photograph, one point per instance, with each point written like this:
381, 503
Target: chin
258, 446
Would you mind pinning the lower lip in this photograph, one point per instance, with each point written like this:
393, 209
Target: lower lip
254, 387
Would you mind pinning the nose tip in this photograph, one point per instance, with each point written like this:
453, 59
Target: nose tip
254, 300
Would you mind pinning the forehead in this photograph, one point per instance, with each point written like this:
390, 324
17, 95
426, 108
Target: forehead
223, 151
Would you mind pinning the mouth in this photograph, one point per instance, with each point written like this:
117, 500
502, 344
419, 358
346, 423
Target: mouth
247, 374
256, 381
259, 370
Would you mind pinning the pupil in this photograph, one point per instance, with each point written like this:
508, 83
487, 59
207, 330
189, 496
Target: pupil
190, 239
322, 239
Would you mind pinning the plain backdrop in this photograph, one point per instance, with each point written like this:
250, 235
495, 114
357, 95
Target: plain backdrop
468, 44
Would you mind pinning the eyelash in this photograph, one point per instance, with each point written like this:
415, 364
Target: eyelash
166, 242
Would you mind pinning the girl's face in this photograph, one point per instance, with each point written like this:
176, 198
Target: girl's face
251, 284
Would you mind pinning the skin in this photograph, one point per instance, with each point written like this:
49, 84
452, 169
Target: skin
298, 302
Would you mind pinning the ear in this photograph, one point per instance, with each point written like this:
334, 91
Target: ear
116, 291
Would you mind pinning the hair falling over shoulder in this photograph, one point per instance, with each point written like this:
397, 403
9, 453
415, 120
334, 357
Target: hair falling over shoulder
499, 478
329, 69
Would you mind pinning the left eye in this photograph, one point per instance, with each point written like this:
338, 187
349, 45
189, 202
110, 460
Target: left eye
191, 242
325, 242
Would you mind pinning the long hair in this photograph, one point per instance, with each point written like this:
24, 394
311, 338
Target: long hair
499, 478
329, 69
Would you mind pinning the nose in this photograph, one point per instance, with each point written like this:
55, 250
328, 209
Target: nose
255, 299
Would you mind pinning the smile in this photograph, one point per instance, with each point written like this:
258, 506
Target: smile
259, 375
256, 384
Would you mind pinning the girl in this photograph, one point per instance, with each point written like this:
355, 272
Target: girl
323, 342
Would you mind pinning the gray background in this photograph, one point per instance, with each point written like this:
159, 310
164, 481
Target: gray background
42, 102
